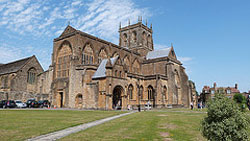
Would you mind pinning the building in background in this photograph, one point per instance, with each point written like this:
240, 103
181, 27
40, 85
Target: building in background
209, 92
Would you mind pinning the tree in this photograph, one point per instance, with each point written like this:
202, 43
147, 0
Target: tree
240, 100
224, 121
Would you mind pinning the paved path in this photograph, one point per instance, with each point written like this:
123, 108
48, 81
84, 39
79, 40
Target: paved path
71, 130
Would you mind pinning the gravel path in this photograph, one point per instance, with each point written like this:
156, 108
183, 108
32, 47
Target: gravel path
62, 133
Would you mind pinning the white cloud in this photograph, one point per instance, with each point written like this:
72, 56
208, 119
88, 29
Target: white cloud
103, 17
160, 46
49, 18
9, 54
98, 17
185, 59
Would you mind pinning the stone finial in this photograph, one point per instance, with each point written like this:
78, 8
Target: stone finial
146, 22
151, 26
120, 26
128, 21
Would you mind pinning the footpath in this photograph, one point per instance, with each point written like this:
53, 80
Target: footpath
62, 133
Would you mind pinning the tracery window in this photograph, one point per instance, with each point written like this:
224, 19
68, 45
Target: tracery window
63, 61
102, 55
150, 93
130, 91
31, 76
87, 55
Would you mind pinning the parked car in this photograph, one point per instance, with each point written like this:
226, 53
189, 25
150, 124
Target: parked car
3, 104
34, 104
43, 103
20, 104
28, 103
11, 104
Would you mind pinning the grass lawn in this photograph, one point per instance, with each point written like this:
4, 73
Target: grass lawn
24, 124
150, 125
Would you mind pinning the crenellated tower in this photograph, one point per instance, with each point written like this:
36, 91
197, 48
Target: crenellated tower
137, 37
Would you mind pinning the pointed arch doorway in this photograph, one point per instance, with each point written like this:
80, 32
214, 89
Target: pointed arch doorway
117, 97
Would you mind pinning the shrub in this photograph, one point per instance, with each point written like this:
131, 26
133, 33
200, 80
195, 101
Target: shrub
224, 121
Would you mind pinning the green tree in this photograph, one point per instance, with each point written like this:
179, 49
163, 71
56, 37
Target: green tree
240, 100
224, 121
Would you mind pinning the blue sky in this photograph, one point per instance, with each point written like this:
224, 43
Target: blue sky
210, 37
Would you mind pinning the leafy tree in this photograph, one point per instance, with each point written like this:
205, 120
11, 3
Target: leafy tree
224, 121
240, 100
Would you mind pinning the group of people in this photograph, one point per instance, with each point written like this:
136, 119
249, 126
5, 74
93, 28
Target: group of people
200, 105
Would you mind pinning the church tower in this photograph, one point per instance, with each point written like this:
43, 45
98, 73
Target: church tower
137, 37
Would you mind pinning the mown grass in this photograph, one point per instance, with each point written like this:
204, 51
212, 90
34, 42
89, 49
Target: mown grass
149, 125
24, 124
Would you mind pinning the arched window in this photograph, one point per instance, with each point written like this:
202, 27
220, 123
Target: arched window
102, 55
130, 91
134, 37
150, 93
87, 55
63, 61
149, 41
125, 40
141, 92
31, 76
165, 92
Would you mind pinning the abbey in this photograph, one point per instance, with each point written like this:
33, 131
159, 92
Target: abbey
90, 73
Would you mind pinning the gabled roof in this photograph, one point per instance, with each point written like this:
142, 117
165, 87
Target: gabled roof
101, 71
69, 29
13, 66
159, 53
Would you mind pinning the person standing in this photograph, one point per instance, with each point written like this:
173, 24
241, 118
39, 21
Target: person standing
192, 105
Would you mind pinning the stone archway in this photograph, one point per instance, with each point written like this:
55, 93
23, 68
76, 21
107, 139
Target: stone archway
117, 98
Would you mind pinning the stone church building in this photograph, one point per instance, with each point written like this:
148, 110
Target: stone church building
91, 73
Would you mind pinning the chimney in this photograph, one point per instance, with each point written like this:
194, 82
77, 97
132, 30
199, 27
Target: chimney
236, 86
215, 84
